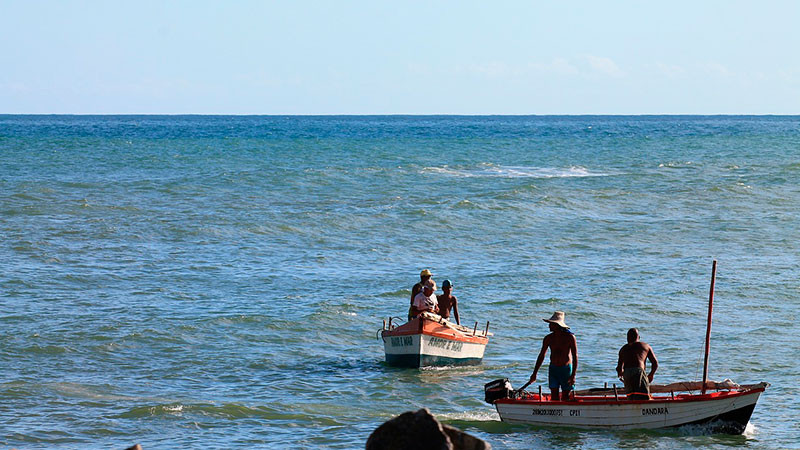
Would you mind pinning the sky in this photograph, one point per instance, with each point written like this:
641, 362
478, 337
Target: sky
399, 57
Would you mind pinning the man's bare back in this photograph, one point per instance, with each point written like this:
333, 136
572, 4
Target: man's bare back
634, 354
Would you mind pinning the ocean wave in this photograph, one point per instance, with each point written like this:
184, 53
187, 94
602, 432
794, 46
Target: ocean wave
678, 165
496, 171
395, 293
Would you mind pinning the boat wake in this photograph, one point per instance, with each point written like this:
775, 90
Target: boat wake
716, 427
486, 421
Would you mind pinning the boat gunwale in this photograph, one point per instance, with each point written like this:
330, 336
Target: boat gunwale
464, 338
450, 334
603, 401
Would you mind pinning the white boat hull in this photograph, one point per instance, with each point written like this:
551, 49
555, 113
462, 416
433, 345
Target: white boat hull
429, 340
420, 350
729, 410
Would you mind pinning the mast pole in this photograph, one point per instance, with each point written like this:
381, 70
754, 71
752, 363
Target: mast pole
708, 325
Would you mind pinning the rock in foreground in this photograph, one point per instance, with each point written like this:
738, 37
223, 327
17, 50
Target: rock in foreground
420, 430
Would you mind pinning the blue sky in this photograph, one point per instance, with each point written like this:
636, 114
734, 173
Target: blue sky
401, 57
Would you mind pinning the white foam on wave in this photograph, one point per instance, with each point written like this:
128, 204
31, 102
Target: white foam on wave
749, 430
173, 408
490, 170
483, 415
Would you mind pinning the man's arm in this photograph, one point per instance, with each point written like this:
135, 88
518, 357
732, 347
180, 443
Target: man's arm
417, 306
540, 358
455, 310
414, 291
573, 347
653, 363
619, 363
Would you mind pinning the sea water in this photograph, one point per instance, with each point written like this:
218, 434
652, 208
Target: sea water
218, 282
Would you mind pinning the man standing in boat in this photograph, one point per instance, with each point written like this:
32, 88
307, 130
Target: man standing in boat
563, 358
448, 301
424, 276
631, 366
426, 300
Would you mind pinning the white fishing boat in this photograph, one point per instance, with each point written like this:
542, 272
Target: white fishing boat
726, 410
723, 407
430, 340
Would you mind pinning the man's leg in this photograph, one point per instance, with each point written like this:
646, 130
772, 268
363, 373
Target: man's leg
554, 395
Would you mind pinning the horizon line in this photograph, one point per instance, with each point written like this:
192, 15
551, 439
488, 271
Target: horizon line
409, 114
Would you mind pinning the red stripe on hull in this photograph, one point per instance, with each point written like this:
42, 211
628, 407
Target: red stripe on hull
432, 328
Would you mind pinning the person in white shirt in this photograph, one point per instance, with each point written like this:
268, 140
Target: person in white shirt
426, 300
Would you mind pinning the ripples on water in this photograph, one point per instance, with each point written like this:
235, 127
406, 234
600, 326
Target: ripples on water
218, 281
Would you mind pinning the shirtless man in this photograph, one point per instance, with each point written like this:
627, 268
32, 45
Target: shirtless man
563, 358
448, 301
631, 366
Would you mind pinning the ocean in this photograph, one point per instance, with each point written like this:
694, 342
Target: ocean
218, 281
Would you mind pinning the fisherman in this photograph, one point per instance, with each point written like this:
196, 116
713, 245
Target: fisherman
631, 366
448, 301
426, 300
563, 358
424, 276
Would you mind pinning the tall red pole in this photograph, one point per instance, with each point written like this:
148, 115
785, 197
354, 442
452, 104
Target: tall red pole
708, 326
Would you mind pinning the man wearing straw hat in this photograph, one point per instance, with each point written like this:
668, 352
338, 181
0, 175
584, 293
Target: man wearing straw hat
563, 358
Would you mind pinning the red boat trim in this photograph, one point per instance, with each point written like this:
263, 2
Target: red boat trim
586, 400
450, 336
432, 328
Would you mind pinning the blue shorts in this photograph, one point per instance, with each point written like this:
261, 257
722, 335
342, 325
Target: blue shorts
558, 377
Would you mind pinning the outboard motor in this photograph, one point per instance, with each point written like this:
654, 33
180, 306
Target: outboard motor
496, 390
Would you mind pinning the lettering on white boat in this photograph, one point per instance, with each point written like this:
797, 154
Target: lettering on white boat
402, 341
446, 344
655, 411
547, 412
574, 412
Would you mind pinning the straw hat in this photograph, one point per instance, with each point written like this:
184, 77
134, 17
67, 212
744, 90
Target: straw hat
425, 273
558, 319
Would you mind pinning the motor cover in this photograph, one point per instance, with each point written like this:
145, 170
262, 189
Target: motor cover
496, 390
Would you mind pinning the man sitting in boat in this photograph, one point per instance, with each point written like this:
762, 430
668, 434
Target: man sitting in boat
426, 300
424, 277
448, 301
563, 358
631, 366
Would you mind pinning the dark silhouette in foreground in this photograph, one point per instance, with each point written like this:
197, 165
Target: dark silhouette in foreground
420, 430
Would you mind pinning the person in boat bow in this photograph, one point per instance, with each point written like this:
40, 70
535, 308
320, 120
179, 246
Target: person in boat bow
631, 366
448, 301
426, 300
424, 277
563, 358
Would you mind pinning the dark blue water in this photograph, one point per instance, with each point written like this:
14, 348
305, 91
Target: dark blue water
202, 281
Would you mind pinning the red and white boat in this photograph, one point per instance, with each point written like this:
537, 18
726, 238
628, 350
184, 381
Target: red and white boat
726, 410
430, 340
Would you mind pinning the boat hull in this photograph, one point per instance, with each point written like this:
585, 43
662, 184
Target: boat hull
420, 350
422, 343
727, 412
